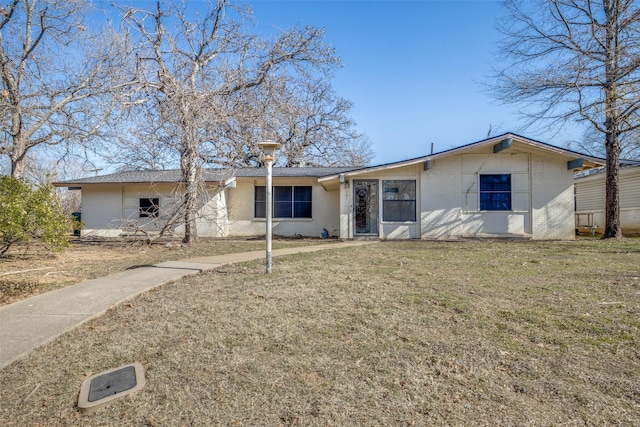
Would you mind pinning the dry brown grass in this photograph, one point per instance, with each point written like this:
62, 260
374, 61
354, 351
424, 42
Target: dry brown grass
26, 272
403, 333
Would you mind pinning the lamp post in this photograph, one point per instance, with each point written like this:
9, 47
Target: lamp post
268, 149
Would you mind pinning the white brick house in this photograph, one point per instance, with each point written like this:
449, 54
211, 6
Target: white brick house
505, 186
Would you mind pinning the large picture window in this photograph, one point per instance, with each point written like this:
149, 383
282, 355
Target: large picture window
495, 192
149, 207
399, 200
288, 202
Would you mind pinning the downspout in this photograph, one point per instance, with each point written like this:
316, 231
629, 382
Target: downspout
530, 176
349, 206
122, 210
419, 199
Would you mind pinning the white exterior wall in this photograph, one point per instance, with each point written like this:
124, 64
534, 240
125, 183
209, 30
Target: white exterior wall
451, 197
516, 222
448, 198
211, 217
240, 207
590, 199
346, 211
542, 197
391, 230
442, 198
114, 210
101, 209
552, 199
132, 194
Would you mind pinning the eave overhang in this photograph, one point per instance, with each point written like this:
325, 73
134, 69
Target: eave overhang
500, 144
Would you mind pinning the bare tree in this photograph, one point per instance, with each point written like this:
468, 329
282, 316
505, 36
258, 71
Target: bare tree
591, 143
56, 76
304, 114
577, 60
145, 141
355, 152
314, 125
189, 62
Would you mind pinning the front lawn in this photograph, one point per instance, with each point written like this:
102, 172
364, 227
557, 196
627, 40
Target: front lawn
396, 333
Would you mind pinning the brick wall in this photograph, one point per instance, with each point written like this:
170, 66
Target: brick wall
552, 198
542, 197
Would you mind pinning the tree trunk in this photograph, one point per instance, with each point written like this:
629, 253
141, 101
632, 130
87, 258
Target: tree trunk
189, 173
17, 167
612, 123
19, 149
190, 231
17, 159
612, 227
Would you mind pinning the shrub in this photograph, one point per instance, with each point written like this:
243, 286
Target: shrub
29, 213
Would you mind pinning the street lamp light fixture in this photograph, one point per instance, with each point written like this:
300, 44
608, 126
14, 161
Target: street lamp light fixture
269, 149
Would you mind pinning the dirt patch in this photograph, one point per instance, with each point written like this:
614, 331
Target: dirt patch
403, 333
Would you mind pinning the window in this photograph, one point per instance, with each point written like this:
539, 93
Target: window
260, 204
288, 202
399, 200
302, 202
495, 192
149, 208
283, 202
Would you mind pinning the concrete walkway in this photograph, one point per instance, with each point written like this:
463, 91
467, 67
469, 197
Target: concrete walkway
30, 323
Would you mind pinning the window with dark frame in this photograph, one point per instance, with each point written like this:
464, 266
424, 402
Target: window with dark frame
260, 202
149, 207
495, 192
288, 202
399, 200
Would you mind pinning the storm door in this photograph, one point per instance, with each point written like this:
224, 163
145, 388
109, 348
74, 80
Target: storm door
365, 206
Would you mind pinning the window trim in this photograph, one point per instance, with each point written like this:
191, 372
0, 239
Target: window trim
414, 201
151, 211
493, 207
295, 204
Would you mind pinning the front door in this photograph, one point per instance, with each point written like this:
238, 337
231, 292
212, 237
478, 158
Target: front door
365, 207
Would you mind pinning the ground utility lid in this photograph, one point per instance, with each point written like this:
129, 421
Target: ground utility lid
100, 389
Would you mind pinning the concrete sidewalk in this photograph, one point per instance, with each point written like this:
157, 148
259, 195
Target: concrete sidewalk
32, 322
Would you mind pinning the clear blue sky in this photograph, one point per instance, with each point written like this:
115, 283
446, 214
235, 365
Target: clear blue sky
412, 69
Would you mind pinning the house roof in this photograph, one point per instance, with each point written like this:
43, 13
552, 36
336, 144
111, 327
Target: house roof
210, 175
625, 165
329, 174
589, 161
314, 172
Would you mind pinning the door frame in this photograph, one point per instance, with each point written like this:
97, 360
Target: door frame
371, 201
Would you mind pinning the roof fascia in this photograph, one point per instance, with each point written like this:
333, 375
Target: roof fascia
374, 169
558, 150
